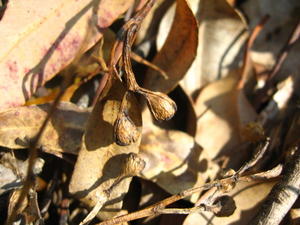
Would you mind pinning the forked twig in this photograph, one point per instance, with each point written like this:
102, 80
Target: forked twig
214, 188
256, 157
122, 136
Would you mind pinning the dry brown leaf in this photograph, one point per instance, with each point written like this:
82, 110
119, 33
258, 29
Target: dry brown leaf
175, 161
100, 160
247, 197
88, 65
53, 93
222, 110
221, 37
178, 52
12, 201
62, 135
38, 39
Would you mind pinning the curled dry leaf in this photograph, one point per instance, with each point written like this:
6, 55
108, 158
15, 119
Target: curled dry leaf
62, 135
175, 161
222, 110
178, 52
98, 172
247, 197
39, 39
221, 36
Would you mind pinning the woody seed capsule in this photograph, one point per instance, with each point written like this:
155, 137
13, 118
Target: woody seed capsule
133, 165
125, 131
161, 106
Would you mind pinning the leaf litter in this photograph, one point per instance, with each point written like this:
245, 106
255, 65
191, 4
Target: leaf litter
193, 119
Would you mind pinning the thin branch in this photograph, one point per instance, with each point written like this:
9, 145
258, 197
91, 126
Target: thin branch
262, 93
282, 196
213, 187
285, 50
151, 210
260, 151
197, 209
247, 59
141, 60
116, 51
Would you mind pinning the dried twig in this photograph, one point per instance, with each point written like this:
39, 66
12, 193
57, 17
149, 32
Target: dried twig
159, 207
285, 50
262, 93
260, 151
215, 190
140, 59
282, 196
247, 59
93, 213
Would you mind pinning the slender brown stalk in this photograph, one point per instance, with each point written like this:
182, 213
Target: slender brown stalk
285, 50
247, 59
213, 188
262, 95
141, 60
116, 51
152, 210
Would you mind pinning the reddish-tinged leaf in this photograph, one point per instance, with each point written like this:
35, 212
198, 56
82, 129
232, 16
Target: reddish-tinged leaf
40, 38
